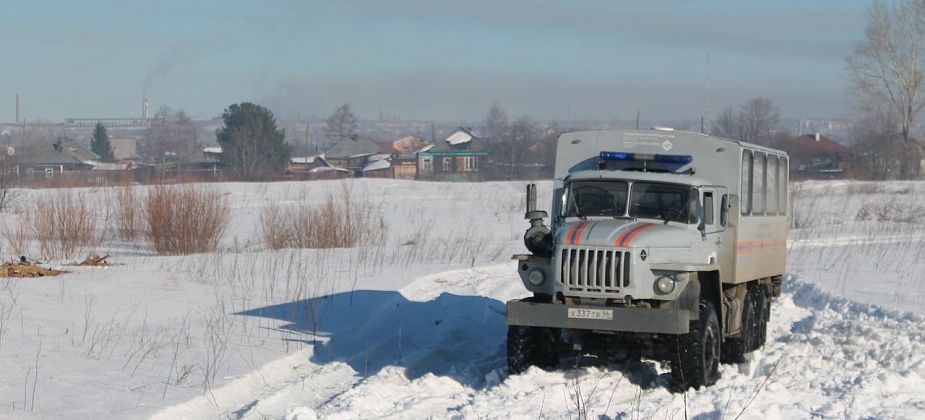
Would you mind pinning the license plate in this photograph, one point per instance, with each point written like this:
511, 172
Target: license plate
581, 313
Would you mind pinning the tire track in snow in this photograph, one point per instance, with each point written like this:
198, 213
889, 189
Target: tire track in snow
833, 358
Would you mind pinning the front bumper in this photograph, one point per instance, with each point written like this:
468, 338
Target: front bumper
640, 320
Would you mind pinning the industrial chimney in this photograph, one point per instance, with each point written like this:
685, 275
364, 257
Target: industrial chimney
17, 108
144, 108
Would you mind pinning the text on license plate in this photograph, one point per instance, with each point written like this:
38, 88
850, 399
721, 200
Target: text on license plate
581, 313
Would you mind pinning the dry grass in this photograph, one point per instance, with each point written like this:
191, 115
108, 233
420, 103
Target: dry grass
126, 207
185, 219
890, 211
340, 221
865, 188
15, 236
62, 224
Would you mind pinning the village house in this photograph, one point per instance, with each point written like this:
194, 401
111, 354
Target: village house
124, 148
457, 158
315, 167
815, 156
48, 158
352, 152
405, 160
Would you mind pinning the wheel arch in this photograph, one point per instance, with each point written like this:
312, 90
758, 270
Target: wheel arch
711, 289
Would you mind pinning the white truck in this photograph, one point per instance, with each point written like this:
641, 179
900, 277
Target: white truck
662, 244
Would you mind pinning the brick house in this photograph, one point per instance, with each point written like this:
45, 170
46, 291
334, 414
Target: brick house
457, 158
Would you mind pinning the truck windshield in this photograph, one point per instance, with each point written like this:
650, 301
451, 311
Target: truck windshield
596, 198
670, 202
652, 200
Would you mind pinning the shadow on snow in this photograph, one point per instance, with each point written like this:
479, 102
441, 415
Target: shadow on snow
457, 336
461, 337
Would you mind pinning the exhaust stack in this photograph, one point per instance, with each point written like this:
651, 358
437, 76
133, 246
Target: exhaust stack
537, 238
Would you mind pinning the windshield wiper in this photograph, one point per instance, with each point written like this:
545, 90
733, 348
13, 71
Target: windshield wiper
671, 214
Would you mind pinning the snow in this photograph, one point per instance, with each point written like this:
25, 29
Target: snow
459, 137
377, 164
303, 159
414, 328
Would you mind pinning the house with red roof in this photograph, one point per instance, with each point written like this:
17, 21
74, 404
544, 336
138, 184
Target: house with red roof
815, 156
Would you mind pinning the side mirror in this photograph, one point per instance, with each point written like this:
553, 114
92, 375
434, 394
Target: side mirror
702, 225
731, 211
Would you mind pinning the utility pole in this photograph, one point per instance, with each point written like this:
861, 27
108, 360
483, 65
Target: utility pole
637, 119
706, 100
308, 150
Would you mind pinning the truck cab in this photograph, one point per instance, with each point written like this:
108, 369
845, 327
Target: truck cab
648, 252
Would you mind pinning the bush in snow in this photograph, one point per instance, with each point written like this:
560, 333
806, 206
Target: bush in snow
185, 219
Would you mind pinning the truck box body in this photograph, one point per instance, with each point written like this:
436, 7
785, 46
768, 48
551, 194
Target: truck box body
761, 233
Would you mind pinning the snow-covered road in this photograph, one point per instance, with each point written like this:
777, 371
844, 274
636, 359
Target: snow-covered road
827, 357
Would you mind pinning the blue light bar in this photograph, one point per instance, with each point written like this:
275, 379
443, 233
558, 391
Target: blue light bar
616, 156
677, 159
681, 159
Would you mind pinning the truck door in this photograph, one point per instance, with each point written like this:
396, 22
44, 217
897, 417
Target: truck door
718, 238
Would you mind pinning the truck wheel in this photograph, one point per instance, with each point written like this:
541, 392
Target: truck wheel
531, 346
735, 348
696, 361
763, 305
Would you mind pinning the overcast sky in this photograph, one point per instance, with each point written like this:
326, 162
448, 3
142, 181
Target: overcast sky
426, 59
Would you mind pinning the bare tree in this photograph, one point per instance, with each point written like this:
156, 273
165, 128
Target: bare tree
756, 122
886, 75
759, 119
496, 127
342, 123
169, 137
886, 68
726, 124
524, 133
7, 177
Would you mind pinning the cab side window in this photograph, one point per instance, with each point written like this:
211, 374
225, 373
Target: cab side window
708, 208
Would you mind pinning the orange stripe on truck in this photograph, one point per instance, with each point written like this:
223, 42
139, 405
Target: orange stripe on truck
573, 232
750, 247
629, 239
580, 230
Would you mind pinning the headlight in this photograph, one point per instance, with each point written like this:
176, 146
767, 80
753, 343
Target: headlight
665, 285
536, 277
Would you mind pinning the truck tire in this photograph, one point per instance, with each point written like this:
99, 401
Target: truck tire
735, 348
696, 361
763, 305
531, 346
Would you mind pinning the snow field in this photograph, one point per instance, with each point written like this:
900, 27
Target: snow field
414, 327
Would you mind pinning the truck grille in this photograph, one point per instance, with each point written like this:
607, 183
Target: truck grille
594, 270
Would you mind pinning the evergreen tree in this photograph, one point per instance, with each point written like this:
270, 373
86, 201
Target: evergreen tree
252, 145
100, 144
